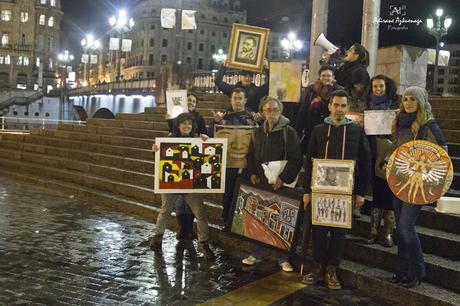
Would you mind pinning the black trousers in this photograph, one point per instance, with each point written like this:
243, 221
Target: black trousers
328, 250
231, 175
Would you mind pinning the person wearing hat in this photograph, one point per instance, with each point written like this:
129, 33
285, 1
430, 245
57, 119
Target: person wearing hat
252, 92
414, 122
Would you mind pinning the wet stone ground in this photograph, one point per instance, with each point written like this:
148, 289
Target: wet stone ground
56, 250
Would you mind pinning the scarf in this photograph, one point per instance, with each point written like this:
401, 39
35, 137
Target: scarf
405, 120
379, 102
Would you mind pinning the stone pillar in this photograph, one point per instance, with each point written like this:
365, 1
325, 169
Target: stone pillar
318, 26
370, 32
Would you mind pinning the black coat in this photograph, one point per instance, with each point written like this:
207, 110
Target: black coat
356, 148
273, 146
351, 73
199, 125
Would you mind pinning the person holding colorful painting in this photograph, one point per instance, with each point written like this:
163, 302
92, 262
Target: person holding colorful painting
274, 140
183, 127
336, 138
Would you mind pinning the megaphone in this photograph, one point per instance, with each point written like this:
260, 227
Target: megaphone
326, 44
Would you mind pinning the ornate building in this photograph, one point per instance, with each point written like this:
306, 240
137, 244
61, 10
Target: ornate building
29, 42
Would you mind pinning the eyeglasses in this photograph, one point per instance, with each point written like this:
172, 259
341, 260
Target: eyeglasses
271, 110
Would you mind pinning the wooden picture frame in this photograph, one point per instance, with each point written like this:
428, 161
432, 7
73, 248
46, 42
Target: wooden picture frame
266, 217
333, 210
190, 165
248, 45
332, 176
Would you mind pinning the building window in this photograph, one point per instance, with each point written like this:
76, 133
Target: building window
188, 60
5, 60
150, 59
201, 47
53, 2
51, 22
152, 26
42, 1
164, 43
40, 42
201, 32
5, 39
6, 15
224, 35
200, 63
23, 39
24, 16
226, 20
214, 18
50, 64
152, 42
203, 16
164, 58
41, 20
189, 46
23, 61
37, 62
213, 48
213, 33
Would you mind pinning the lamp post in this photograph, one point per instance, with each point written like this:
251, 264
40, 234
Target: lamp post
291, 44
122, 25
438, 28
89, 45
65, 58
219, 57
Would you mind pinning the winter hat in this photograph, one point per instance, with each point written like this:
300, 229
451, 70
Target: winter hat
421, 95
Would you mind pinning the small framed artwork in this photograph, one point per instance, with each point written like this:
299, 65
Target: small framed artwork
332, 176
334, 210
285, 80
270, 218
238, 137
248, 45
378, 122
176, 102
190, 165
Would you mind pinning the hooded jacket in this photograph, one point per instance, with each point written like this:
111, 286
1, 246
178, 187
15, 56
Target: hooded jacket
356, 148
281, 143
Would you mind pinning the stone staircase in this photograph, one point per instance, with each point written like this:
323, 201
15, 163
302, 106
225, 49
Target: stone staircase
109, 162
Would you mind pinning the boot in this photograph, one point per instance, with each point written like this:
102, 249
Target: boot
357, 212
155, 242
332, 279
188, 226
181, 223
388, 226
375, 223
204, 248
316, 275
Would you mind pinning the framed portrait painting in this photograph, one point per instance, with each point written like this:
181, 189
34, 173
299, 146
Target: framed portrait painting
270, 218
238, 139
247, 48
332, 176
188, 165
334, 210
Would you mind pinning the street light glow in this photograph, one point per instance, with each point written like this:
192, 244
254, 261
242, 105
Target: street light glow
447, 22
292, 36
429, 23
439, 12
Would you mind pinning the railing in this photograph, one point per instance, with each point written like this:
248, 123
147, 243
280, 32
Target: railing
204, 82
128, 86
15, 123
16, 47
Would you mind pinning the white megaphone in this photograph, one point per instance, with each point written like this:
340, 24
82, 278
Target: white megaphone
326, 44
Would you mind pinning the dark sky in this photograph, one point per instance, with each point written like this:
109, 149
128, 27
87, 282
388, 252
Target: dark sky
85, 16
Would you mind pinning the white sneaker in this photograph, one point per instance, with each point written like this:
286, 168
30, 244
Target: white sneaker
286, 266
251, 260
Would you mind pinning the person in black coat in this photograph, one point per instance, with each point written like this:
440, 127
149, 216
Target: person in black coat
337, 138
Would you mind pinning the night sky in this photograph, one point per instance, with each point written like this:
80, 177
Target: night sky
91, 16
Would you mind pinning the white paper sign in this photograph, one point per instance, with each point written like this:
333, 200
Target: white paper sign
114, 43
188, 20
85, 58
379, 122
168, 18
273, 169
93, 59
176, 102
126, 45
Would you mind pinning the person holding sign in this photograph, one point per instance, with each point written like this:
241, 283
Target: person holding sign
336, 138
382, 96
414, 122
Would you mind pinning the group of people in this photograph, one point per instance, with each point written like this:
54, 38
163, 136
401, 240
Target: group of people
321, 130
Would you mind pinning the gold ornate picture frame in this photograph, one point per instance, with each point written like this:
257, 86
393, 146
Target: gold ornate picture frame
247, 48
333, 176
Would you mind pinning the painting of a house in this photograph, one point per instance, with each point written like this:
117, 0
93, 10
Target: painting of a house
184, 165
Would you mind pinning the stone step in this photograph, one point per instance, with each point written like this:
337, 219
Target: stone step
440, 113
455, 162
439, 271
97, 182
451, 135
454, 149
130, 164
130, 124
445, 102
434, 242
449, 124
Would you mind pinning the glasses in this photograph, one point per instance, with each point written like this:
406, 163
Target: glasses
272, 110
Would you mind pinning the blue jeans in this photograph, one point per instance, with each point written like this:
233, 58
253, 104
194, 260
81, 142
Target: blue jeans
410, 255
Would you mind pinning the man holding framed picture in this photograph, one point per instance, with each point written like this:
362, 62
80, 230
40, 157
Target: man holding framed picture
336, 138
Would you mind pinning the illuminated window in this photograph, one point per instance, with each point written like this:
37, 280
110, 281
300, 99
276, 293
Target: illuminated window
51, 22
53, 2
6, 15
50, 64
24, 16
37, 62
41, 20
5, 39
42, 1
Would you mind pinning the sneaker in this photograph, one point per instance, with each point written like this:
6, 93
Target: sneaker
251, 260
286, 266
204, 248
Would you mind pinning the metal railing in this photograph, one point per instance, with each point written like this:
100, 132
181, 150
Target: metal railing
25, 124
127, 86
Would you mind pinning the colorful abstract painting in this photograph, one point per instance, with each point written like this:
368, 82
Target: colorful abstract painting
267, 217
186, 165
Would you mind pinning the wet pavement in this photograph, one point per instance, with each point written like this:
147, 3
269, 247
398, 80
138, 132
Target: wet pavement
57, 250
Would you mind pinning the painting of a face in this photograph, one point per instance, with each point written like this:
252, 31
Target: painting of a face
247, 47
238, 139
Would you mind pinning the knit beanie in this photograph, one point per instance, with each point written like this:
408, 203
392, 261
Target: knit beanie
421, 95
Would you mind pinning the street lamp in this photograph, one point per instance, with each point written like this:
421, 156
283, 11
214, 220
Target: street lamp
291, 44
65, 58
121, 24
89, 45
220, 56
438, 28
